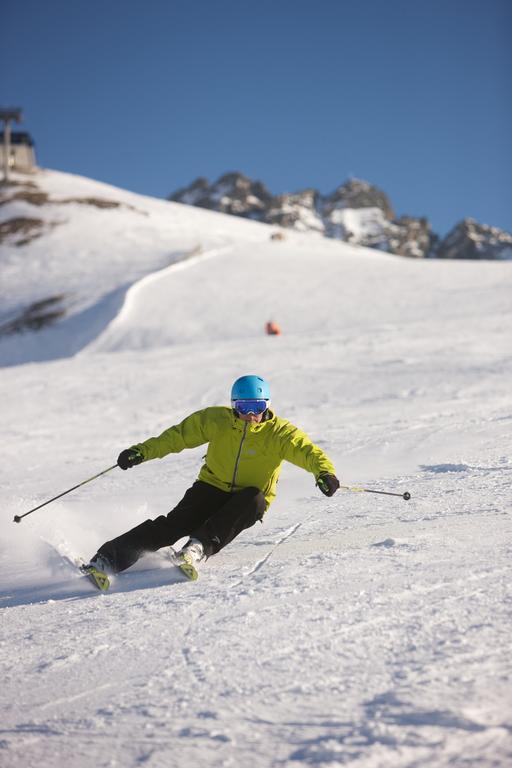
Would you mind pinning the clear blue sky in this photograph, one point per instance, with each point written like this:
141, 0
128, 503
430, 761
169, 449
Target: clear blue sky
414, 96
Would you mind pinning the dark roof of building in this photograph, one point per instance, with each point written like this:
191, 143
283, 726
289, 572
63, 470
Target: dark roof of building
19, 137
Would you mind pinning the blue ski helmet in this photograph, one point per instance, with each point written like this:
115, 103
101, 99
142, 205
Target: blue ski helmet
250, 388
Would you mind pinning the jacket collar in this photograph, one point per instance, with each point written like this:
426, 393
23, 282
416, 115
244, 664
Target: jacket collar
239, 424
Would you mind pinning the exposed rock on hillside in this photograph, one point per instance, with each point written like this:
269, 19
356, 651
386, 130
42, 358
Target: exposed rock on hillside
20, 230
38, 315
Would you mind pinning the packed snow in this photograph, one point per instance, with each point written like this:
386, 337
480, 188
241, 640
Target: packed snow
359, 630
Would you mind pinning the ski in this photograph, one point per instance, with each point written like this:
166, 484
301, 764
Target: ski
99, 579
102, 581
189, 571
185, 564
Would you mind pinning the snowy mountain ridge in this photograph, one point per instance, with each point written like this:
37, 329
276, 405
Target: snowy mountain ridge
356, 212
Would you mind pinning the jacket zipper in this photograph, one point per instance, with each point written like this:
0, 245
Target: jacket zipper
238, 458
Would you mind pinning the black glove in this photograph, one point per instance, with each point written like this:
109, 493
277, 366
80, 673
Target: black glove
129, 458
328, 484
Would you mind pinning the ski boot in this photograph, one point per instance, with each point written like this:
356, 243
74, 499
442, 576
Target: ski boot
188, 558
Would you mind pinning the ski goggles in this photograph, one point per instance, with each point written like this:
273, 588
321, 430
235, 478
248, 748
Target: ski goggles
250, 406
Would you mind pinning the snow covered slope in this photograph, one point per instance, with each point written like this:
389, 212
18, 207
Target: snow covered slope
84, 244
359, 630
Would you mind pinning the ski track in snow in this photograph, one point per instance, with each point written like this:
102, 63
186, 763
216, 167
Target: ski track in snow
356, 630
260, 563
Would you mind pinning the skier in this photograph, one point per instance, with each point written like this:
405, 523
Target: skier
272, 329
247, 444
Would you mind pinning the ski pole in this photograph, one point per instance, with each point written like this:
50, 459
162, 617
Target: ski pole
405, 495
18, 518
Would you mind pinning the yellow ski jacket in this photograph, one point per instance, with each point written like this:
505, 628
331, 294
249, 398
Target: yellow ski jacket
240, 453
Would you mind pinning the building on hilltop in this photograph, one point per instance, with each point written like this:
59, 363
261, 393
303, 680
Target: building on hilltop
21, 152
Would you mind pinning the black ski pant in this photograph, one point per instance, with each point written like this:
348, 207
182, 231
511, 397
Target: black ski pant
206, 513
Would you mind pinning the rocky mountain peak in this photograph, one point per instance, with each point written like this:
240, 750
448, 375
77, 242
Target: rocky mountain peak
297, 210
356, 193
471, 240
232, 193
357, 212
194, 194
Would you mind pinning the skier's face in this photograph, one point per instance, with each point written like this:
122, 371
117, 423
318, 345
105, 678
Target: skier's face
253, 418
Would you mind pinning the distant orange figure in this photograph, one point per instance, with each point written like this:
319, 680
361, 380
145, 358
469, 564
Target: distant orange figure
272, 328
